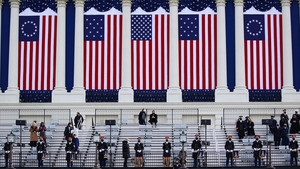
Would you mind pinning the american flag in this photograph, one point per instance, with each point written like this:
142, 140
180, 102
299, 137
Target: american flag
150, 51
263, 51
102, 51
37, 52
197, 51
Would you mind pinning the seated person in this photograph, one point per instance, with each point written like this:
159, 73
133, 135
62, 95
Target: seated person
180, 157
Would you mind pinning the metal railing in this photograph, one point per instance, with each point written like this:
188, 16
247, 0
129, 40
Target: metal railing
214, 159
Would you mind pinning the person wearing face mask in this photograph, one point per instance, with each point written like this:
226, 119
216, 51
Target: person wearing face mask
166, 152
6, 149
138, 148
285, 135
257, 146
229, 147
272, 126
294, 150
103, 153
240, 127
42, 131
41, 148
277, 136
125, 151
68, 131
75, 140
69, 152
196, 147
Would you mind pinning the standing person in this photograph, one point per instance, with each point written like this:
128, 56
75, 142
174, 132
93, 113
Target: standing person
41, 149
78, 120
284, 115
272, 126
125, 151
251, 131
282, 121
177, 164
7, 152
103, 154
33, 134
139, 151
153, 118
69, 152
142, 117
167, 152
240, 127
294, 150
257, 146
75, 141
229, 147
196, 147
298, 117
68, 131
285, 135
277, 136
42, 131
294, 125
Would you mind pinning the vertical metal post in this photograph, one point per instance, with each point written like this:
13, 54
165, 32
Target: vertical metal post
205, 153
121, 117
44, 115
10, 156
110, 155
96, 157
20, 155
95, 117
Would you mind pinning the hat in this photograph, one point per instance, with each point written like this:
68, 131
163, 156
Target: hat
240, 116
247, 117
230, 136
296, 110
139, 138
272, 116
257, 136
167, 137
196, 134
102, 137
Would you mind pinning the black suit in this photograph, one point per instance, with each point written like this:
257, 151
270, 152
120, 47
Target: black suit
229, 147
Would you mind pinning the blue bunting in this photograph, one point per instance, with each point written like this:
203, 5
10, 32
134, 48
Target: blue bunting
197, 5
262, 5
38, 5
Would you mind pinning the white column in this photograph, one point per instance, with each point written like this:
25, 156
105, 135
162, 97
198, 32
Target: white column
288, 92
79, 42
174, 93
11, 95
78, 52
240, 91
60, 88
126, 93
61, 46
221, 93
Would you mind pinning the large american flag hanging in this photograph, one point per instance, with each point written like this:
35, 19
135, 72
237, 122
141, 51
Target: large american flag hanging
102, 51
150, 51
263, 50
197, 51
37, 51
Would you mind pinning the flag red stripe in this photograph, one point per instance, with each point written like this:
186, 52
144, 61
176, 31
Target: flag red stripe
120, 51
109, 28
144, 65
252, 63
264, 65
275, 52
203, 52
48, 68
115, 55
180, 64
215, 47
281, 51
197, 66
162, 53
54, 52
209, 53
246, 62
258, 63
156, 34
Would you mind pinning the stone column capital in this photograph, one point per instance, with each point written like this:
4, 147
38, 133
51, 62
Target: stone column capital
286, 2
173, 2
126, 2
61, 3
220, 2
79, 3
1, 3
238, 2
15, 3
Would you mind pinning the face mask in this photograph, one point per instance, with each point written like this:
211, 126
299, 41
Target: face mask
166, 140
101, 139
196, 138
293, 138
230, 139
70, 125
256, 138
41, 140
139, 141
